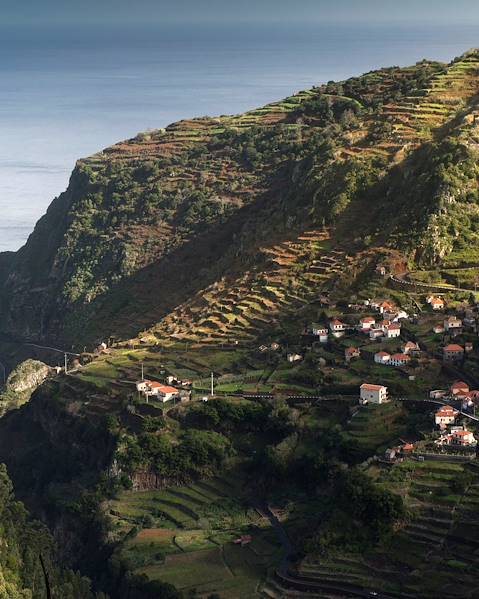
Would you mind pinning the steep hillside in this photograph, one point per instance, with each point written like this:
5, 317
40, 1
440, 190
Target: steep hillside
211, 247
152, 223
28, 561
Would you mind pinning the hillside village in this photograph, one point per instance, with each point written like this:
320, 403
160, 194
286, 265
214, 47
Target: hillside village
388, 350
293, 413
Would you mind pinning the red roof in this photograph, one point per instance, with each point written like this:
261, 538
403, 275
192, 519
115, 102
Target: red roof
460, 386
386, 305
446, 411
369, 387
162, 388
336, 322
401, 357
395, 327
368, 319
454, 348
462, 433
383, 354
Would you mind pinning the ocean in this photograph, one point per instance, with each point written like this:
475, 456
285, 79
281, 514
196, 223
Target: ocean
67, 93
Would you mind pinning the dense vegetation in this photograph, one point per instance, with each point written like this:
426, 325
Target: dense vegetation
28, 563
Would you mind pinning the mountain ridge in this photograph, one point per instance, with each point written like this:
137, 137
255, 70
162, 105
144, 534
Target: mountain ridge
316, 158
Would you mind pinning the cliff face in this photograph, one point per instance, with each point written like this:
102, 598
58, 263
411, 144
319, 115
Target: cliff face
150, 222
21, 383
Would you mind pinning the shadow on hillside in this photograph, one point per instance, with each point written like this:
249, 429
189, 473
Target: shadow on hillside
228, 249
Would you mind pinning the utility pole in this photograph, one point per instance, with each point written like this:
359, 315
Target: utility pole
66, 363
212, 385
142, 372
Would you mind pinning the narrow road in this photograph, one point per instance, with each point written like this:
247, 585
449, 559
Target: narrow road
285, 541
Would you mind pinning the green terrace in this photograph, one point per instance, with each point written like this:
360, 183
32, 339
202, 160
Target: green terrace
433, 554
186, 536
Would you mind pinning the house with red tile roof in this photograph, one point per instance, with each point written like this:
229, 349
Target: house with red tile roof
393, 331
452, 324
458, 437
367, 323
410, 347
459, 388
386, 307
337, 327
452, 352
351, 352
162, 392
436, 303
382, 357
445, 416
372, 394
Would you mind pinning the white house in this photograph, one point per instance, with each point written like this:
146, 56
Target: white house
410, 347
445, 416
367, 323
399, 360
438, 329
382, 357
393, 331
337, 326
162, 392
436, 303
437, 394
319, 331
463, 438
376, 333
452, 323
458, 437
372, 394
143, 386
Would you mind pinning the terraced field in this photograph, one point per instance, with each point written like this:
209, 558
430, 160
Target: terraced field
376, 426
185, 536
434, 555
415, 119
234, 311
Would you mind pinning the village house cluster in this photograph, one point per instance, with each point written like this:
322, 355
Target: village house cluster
386, 325
173, 389
445, 418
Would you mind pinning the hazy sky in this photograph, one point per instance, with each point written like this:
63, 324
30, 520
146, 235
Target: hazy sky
128, 11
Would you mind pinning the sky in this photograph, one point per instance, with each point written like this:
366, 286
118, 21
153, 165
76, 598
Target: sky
29, 12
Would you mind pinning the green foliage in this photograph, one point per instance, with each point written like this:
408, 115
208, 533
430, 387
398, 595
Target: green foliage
197, 454
24, 543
